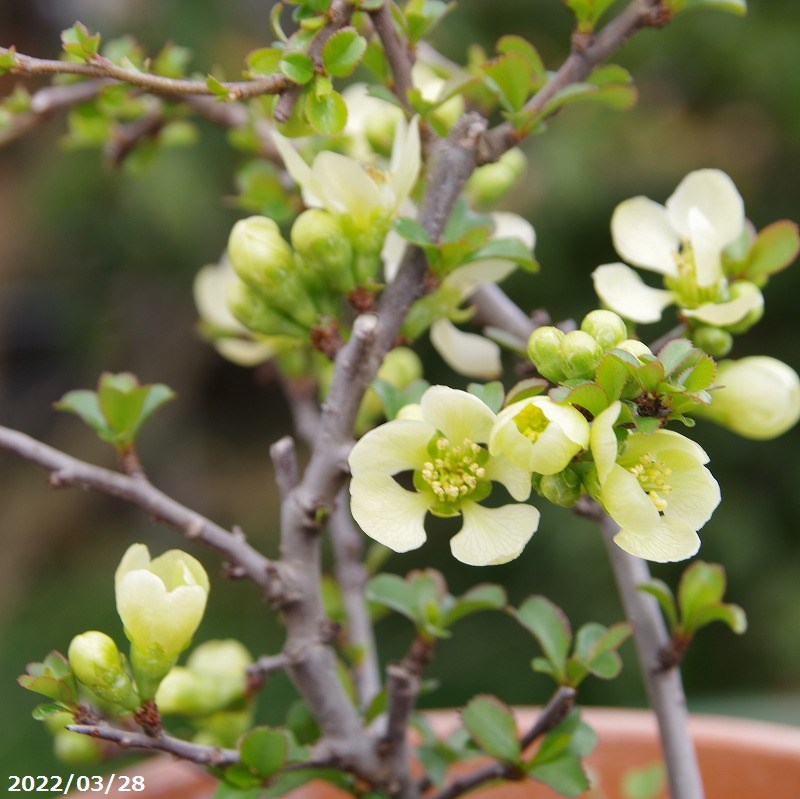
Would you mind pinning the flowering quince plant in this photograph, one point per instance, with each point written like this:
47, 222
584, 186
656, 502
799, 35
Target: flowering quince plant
394, 234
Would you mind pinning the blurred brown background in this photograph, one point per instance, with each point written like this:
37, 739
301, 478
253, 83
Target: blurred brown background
96, 270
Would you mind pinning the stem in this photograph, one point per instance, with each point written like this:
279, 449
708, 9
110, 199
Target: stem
396, 52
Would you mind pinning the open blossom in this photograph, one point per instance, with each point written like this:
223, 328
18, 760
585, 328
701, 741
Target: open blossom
539, 435
467, 353
444, 446
656, 489
683, 241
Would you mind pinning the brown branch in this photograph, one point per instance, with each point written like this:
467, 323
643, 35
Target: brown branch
125, 739
68, 471
101, 67
554, 712
587, 53
124, 138
397, 53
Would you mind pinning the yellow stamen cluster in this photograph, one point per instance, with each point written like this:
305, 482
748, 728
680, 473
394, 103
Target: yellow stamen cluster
531, 422
454, 471
692, 295
651, 473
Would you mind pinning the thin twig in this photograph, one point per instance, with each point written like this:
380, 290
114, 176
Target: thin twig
68, 471
675, 332
194, 753
397, 53
587, 53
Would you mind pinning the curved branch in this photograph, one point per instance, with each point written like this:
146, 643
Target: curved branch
68, 471
396, 53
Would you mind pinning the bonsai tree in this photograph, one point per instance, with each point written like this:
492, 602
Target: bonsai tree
373, 227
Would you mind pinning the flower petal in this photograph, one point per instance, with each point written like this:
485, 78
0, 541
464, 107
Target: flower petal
571, 421
466, 353
643, 235
726, 313
716, 197
624, 292
406, 159
342, 185
670, 541
393, 447
137, 556
603, 442
626, 503
515, 479
513, 226
655, 443
295, 165
468, 277
457, 414
695, 492
491, 536
247, 353
394, 248
385, 511
706, 249
211, 295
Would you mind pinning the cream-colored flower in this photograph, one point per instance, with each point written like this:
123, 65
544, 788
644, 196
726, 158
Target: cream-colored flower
683, 241
467, 353
655, 488
453, 471
161, 603
757, 397
539, 435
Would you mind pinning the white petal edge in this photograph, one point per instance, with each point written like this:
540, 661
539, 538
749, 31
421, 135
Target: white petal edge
513, 226
406, 159
295, 165
671, 541
714, 194
393, 447
603, 442
624, 292
457, 414
343, 186
491, 536
467, 278
466, 353
394, 248
726, 313
388, 513
514, 478
626, 503
643, 235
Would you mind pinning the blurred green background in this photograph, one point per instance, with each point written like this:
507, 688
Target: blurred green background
96, 269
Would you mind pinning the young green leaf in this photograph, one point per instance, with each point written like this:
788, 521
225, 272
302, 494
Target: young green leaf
264, 751
326, 113
509, 79
548, 624
298, 67
775, 248
665, 598
492, 727
481, 597
343, 52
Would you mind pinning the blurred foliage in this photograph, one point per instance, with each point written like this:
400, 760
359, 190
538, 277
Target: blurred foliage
95, 274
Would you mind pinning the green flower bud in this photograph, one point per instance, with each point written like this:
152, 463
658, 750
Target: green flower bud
252, 307
544, 349
224, 728
562, 489
161, 603
636, 348
75, 749
605, 327
97, 663
491, 183
319, 239
581, 354
757, 397
714, 340
258, 252
742, 288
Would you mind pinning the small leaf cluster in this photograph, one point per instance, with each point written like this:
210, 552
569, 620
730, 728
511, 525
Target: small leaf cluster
118, 408
556, 761
567, 659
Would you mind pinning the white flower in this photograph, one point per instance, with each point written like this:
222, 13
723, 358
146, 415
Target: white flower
453, 471
539, 435
341, 185
683, 242
656, 489
467, 353
757, 397
231, 339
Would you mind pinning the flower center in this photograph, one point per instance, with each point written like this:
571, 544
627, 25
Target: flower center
693, 295
531, 422
454, 472
651, 473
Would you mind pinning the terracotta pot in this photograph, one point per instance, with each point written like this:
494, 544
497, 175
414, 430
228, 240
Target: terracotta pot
739, 759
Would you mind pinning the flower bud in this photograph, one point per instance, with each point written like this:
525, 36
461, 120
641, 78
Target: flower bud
224, 728
76, 749
605, 327
490, 183
713, 340
562, 489
544, 349
742, 288
251, 306
758, 397
581, 354
161, 602
318, 238
97, 663
637, 348
258, 252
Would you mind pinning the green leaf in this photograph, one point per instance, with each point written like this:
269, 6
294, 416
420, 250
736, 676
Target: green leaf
492, 727
298, 67
327, 114
481, 597
78, 42
701, 375
411, 230
491, 394
225, 790
509, 78
85, 404
732, 615
43, 712
548, 624
596, 645
422, 16
565, 775
530, 387
674, 354
216, 88
775, 248
557, 761
587, 395
661, 591
265, 61
650, 375
511, 249
516, 44
612, 375
288, 782
393, 592
588, 12
52, 678
646, 782
264, 751
738, 7
343, 52
8, 60
701, 584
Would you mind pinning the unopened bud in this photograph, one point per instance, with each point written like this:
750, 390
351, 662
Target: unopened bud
258, 252
318, 238
743, 288
491, 183
713, 340
605, 327
581, 354
636, 348
562, 489
254, 308
544, 349
97, 663
75, 749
